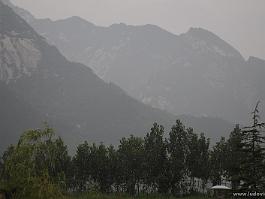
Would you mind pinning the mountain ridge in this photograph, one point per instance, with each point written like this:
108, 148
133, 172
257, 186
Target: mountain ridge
72, 98
67, 95
68, 92
159, 60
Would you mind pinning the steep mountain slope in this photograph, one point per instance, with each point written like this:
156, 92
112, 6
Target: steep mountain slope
45, 86
72, 98
256, 71
194, 73
27, 16
15, 117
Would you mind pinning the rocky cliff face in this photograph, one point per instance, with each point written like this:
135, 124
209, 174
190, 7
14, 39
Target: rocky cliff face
19, 46
19, 57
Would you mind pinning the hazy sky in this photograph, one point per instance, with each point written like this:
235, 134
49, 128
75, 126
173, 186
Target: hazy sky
239, 22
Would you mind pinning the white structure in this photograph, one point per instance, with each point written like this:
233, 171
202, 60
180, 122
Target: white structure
221, 191
220, 187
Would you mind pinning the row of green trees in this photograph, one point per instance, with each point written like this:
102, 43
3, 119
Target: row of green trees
150, 164
241, 159
39, 166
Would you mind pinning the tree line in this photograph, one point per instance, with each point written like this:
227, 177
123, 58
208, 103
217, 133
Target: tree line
39, 165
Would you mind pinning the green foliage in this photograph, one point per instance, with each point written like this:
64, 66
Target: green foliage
178, 153
31, 168
241, 159
93, 167
131, 156
252, 166
82, 167
234, 157
150, 165
203, 157
158, 166
156, 162
101, 171
218, 160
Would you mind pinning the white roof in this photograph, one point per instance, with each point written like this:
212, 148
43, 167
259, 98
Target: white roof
220, 187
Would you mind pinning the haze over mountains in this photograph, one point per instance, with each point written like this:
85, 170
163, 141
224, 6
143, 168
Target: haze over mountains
38, 84
189, 75
195, 73
67, 95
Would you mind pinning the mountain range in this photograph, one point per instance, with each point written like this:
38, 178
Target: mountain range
35, 77
195, 73
38, 84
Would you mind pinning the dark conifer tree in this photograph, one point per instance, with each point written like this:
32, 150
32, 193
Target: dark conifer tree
193, 158
234, 157
218, 162
252, 171
203, 160
114, 169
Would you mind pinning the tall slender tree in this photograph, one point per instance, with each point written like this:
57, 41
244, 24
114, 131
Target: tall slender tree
131, 156
218, 161
81, 164
114, 169
192, 158
155, 161
252, 175
234, 157
178, 153
203, 160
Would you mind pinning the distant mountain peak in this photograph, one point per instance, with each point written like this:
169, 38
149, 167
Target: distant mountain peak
150, 27
118, 25
206, 41
253, 59
200, 32
79, 19
203, 34
75, 20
